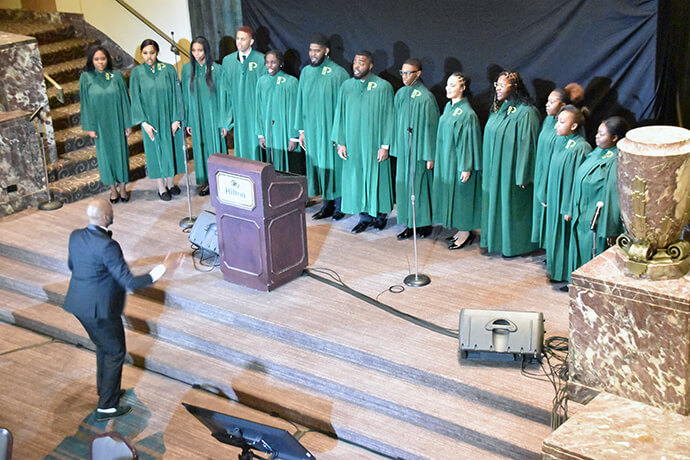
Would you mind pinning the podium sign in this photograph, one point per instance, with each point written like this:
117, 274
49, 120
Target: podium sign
262, 235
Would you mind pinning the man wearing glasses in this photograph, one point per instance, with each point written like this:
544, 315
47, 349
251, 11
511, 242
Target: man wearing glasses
416, 122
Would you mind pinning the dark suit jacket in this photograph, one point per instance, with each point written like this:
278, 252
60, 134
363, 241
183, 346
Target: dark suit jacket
100, 275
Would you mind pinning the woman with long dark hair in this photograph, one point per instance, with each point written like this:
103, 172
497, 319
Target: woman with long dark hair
456, 191
156, 107
201, 95
105, 116
510, 144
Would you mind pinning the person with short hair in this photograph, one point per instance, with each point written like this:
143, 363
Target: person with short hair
241, 72
363, 130
415, 109
276, 96
317, 98
96, 296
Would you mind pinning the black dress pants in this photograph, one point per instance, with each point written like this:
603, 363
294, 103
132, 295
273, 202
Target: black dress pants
109, 337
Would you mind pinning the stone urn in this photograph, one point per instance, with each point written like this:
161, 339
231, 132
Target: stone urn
653, 174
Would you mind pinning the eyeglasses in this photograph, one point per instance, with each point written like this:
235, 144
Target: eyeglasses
502, 85
407, 73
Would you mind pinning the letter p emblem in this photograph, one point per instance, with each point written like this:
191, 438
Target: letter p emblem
280, 80
252, 66
326, 70
371, 85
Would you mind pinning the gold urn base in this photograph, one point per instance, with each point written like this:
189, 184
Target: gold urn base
640, 261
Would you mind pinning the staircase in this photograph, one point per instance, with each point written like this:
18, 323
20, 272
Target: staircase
62, 45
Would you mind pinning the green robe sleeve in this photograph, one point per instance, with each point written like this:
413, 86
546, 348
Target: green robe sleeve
573, 160
124, 99
528, 132
469, 145
88, 123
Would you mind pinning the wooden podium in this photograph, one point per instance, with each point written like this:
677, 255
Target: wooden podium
262, 235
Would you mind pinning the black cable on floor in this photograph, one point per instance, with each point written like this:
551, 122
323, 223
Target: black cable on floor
337, 282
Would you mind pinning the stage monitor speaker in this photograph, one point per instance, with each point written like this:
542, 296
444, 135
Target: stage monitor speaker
487, 332
204, 233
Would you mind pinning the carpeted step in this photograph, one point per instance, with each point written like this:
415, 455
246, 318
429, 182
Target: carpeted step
44, 33
88, 183
70, 139
66, 116
64, 50
70, 93
65, 71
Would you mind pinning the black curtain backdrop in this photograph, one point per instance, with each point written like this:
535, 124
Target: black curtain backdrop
608, 46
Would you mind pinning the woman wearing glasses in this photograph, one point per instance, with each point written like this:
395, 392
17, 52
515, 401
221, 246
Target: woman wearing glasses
510, 143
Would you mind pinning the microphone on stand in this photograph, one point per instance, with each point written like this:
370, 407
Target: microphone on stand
269, 150
593, 227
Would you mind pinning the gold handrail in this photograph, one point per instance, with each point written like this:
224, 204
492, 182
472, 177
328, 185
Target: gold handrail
61, 92
153, 27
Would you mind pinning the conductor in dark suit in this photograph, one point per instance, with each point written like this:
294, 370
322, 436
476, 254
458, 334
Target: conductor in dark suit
96, 296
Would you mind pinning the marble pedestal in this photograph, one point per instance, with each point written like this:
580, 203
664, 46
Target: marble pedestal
611, 427
629, 337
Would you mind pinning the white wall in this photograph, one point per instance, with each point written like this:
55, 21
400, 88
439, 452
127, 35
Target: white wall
127, 31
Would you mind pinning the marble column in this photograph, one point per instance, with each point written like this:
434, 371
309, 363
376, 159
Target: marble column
22, 86
629, 336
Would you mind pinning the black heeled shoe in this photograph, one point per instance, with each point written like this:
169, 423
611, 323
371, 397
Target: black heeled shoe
116, 199
165, 196
467, 242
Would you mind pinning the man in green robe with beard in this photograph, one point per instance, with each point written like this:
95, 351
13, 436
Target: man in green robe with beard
416, 115
363, 130
317, 97
242, 70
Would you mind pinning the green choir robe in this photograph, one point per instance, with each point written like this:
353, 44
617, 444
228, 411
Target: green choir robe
317, 97
275, 109
363, 123
415, 107
156, 100
510, 144
595, 180
202, 115
546, 143
105, 109
559, 188
458, 204
239, 101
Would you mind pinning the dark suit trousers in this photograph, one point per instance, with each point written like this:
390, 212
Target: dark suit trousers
109, 337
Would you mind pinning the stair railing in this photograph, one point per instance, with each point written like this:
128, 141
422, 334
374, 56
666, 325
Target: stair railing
61, 92
153, 27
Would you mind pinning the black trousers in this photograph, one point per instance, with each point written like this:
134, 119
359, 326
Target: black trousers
109, 337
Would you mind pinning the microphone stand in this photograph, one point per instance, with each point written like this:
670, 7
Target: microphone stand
49, 205
416, 279
594, 226
269, 151
186, 222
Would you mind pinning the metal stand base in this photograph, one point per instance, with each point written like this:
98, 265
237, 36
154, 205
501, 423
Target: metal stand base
417, 280
50, 205
187, 222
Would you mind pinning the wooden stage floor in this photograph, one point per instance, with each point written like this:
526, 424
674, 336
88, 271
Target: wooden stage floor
307, 351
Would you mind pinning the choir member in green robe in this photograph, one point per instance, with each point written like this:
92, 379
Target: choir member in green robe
546, 144
155, 94
510, 144
317, 97
105, 116
201, 100
457, 193
363, 130
241, 72
559, 187
276, 95
416, 108
595, 181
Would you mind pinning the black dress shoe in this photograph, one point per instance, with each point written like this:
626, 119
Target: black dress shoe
360, 227
125, 198
337, 215
451, 239
204, 191
467, 242
323, 213
405, 234
380, 224
120, 410
563, 288
175, 190
424, 232
165, 196
115, 200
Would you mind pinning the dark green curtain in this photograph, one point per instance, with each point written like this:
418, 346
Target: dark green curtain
672, 69
217, 20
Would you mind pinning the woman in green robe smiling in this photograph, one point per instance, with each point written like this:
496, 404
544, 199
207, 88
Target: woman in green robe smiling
105, 117
457, 180
154, 90
201, 99
510, 144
